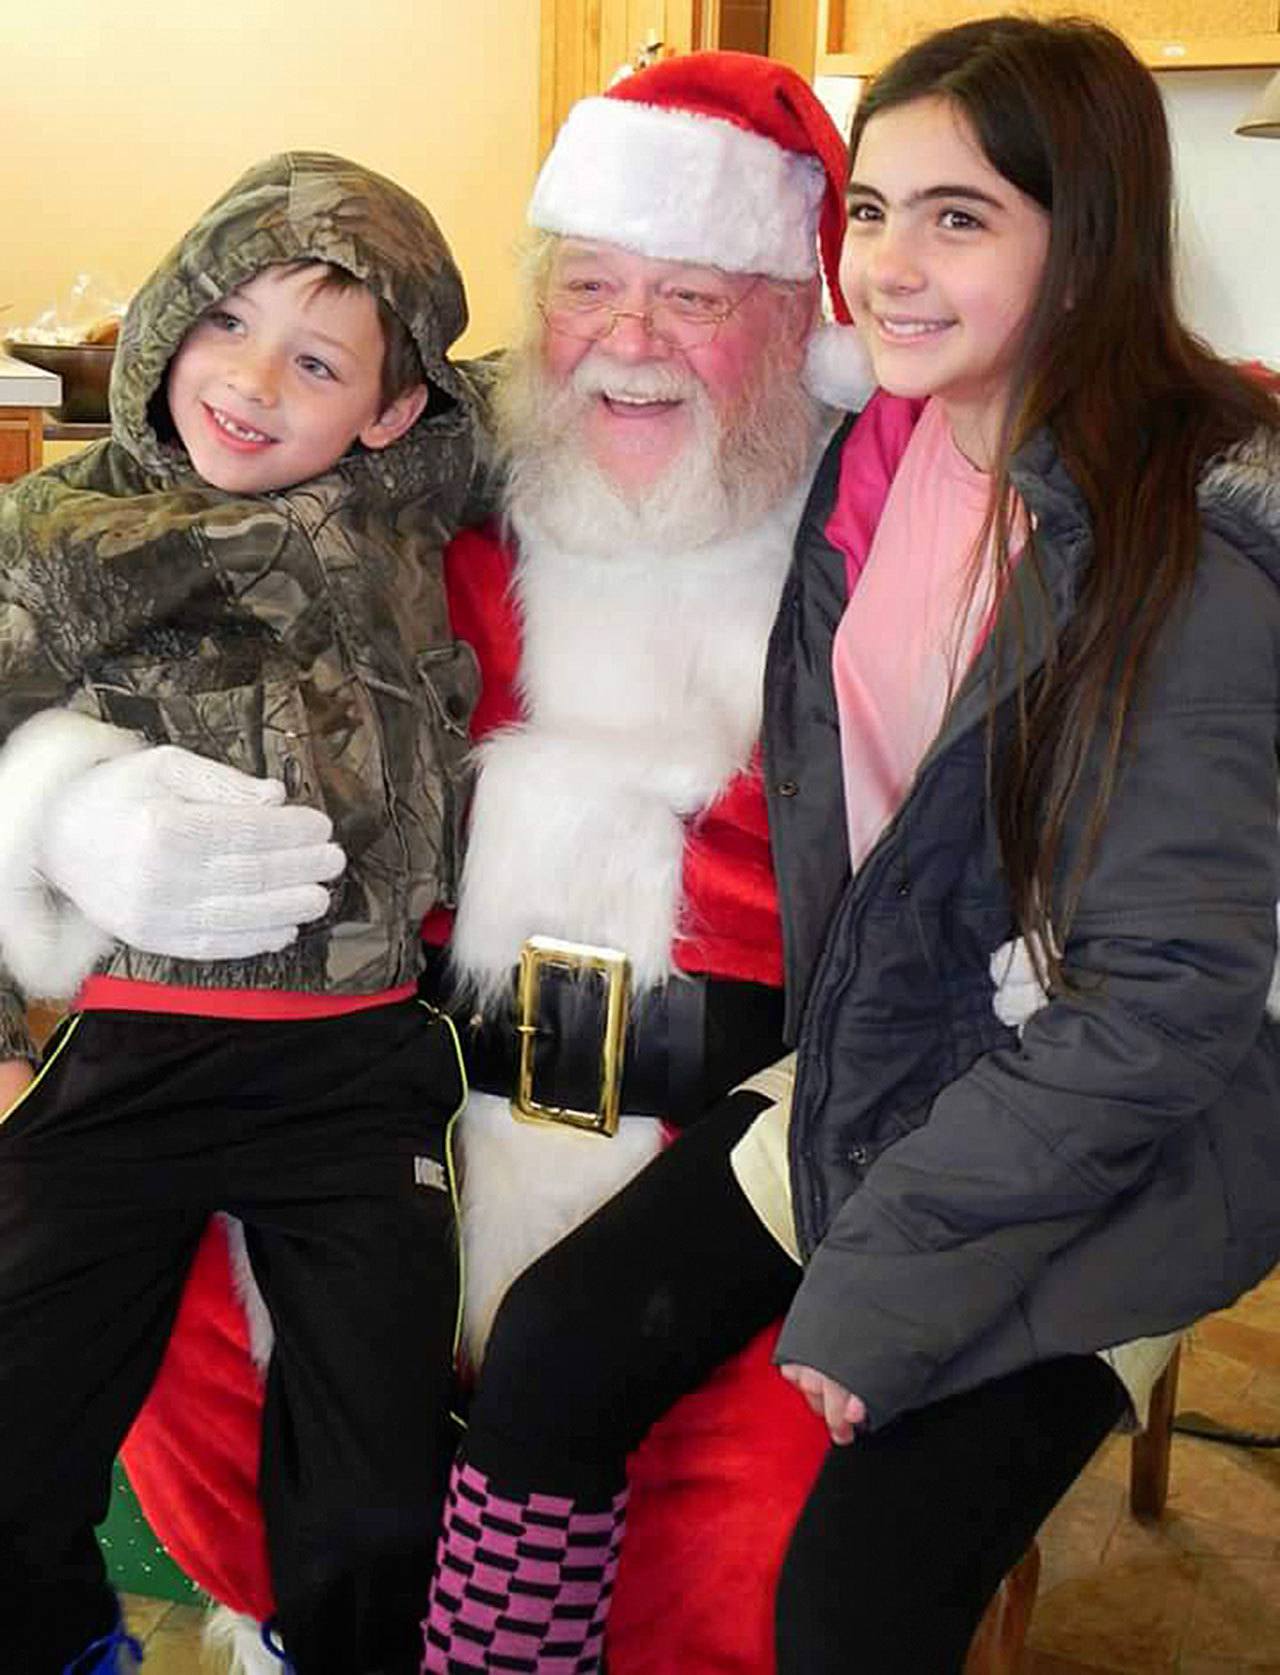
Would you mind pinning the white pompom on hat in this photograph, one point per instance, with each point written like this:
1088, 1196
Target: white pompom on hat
720, 158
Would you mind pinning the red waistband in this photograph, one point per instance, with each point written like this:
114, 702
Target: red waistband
126, 994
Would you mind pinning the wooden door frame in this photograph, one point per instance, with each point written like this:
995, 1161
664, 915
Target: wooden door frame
705, 30
564, 75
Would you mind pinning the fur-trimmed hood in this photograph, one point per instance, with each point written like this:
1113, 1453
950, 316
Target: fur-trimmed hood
1240, 499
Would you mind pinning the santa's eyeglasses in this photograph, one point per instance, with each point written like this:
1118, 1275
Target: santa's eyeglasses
683, 319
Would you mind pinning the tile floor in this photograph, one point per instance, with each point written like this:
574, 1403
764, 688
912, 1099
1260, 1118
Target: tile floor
171, 1637
1197, 1593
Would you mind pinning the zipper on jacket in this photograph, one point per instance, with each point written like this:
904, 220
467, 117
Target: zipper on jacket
445, 724
813, 1064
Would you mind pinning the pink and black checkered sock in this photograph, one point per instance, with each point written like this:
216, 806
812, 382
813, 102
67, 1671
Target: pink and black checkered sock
521, 1585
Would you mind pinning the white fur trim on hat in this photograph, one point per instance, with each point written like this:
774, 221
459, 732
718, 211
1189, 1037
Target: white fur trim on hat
46, 942
837, 368
681, 187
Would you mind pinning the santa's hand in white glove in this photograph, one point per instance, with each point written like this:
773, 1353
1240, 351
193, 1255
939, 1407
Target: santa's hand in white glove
176, 855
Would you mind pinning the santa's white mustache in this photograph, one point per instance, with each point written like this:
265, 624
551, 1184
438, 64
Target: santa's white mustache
648, 381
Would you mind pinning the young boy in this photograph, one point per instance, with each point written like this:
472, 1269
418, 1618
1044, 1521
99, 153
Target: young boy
248, 568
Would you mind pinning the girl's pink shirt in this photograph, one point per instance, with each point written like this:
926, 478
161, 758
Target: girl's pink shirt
913, 623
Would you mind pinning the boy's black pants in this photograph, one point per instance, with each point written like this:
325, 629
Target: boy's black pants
327, 1138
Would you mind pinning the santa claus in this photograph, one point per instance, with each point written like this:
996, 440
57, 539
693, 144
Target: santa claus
614, 962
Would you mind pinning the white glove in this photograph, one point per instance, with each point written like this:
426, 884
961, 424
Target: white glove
1018, 993
174, 854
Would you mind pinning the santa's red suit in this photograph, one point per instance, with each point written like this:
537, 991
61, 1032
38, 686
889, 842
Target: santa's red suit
579, 752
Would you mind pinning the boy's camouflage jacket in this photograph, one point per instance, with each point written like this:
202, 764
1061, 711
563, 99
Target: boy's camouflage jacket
302, 634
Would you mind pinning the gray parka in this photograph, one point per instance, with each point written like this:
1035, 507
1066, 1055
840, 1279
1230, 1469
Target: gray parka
968, 1202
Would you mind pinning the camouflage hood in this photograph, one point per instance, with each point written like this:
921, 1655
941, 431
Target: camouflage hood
301, 205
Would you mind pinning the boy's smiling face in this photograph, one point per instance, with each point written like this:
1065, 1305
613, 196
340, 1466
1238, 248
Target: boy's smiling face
275, 382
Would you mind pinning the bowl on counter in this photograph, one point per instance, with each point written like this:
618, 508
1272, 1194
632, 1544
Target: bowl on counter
85, 371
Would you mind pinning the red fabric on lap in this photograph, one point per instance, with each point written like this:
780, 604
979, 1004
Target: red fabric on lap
716, 1488
192, 1454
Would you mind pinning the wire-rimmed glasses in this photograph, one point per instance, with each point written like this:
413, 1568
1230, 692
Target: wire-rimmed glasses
681, 318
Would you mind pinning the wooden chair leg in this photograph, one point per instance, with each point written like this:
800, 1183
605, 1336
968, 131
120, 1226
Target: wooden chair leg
1149, 1453
997, 1646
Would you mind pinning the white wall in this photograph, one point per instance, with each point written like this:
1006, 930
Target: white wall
1228, 212
1228, 206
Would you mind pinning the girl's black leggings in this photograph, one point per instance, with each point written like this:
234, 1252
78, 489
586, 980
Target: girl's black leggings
906, 1533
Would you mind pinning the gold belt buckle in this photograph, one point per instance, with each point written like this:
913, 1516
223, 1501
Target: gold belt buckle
578, 957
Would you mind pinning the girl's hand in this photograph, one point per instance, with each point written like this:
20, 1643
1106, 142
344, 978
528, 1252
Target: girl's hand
838, 1408
15, 1075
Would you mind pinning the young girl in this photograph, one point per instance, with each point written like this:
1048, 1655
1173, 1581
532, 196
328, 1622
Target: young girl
1025, 679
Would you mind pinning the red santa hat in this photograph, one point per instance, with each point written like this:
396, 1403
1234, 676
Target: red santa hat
722, 158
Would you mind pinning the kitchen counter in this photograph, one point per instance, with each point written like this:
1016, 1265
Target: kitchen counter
25, 392
23, 385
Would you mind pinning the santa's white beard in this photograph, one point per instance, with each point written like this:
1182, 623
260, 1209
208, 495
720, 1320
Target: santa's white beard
644, 626
736, 466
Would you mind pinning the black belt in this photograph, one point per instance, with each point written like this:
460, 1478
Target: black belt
686, 1044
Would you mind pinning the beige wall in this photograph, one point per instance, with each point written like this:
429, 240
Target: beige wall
121, 119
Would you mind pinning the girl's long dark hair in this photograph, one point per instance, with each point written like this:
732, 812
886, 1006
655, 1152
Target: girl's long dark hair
1136, 404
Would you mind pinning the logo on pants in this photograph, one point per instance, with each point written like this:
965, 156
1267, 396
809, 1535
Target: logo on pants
427, 1172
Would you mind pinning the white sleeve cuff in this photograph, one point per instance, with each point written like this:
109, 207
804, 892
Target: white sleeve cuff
46, 942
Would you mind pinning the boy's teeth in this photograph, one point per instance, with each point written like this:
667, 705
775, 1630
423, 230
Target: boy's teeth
241, 431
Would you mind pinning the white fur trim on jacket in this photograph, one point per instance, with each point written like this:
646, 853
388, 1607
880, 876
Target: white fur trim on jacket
262, 1335
524, 1186
238, 1641
47, 944
681, 187
555, 849
837, 368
